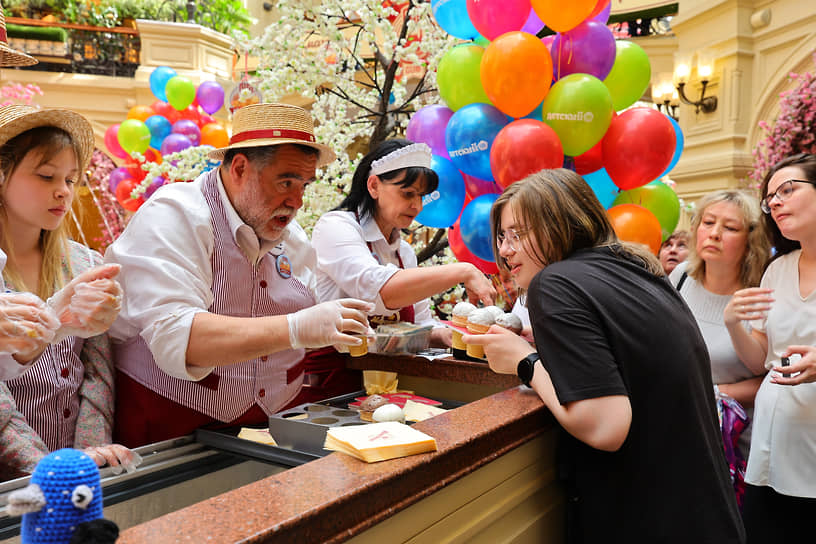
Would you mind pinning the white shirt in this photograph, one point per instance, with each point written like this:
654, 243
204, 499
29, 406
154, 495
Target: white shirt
783, 445
170, 241
347, 268
9, 368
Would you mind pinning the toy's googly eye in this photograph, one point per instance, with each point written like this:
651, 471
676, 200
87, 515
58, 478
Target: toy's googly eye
82, 496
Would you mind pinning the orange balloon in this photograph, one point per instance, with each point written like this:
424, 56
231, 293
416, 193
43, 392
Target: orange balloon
140, 112
516, 72
633, 223
215, 135
562, 16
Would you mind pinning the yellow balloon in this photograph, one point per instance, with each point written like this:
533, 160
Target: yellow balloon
562, 16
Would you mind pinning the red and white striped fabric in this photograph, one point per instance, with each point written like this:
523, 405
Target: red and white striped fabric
242, 290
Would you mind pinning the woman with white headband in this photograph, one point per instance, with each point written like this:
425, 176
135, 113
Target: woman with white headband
359, 249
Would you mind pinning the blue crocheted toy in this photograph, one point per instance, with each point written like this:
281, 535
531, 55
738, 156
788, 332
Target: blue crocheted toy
65, 491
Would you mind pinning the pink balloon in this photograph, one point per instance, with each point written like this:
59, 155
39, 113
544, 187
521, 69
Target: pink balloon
428, 126
112, 142
477, 187
534, 23
492, 18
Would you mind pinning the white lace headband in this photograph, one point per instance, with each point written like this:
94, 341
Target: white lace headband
404, 157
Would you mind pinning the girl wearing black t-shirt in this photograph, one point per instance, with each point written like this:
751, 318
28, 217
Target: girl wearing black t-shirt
620, 363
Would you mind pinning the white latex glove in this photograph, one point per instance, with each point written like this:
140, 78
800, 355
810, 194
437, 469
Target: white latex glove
116, 456
89, 304
27, 325
324, 324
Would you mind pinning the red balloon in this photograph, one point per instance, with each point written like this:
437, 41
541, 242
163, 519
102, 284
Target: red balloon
638, 147
206, 119
135, 170
463, 254
191, 113
163, 108
524, 147
123, 191
599, 7
633, 223
590, 161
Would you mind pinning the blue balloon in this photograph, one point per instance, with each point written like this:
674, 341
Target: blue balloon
159, 128
474, 226
441, 208
469, 137
158, 80
678, 149
452, 17
603, 186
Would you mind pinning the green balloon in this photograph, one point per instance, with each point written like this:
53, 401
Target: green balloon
133, 135
459, 76
579, 109
180, 92
630, 75
658, 198
481, 40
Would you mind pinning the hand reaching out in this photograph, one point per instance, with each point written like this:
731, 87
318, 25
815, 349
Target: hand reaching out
329, 323
503, 348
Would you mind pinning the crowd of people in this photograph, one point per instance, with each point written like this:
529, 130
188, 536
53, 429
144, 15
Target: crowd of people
213, 305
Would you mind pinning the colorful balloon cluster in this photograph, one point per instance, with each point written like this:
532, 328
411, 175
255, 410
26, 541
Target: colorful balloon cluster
516, 104
181, 117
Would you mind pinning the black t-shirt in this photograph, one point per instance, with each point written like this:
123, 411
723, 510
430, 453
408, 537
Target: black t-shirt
603, 325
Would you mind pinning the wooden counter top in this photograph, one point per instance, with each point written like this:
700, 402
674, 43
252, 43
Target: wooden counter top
336, 497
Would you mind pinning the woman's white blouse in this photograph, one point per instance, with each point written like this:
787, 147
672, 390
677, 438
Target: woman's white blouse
783, 444
347, 268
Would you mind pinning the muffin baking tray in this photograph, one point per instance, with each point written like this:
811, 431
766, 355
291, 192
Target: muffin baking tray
300, 431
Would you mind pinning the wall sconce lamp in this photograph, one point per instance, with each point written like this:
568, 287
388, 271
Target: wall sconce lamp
665, 96
682, 73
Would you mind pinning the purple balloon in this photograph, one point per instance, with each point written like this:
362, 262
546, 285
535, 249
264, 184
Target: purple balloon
478, 187
603, 16
157, 182
117, 176
189, 129
589, 48
175, 143
210, 96
428, 126
534, 23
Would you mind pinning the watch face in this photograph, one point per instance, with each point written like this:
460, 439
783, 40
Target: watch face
525, 370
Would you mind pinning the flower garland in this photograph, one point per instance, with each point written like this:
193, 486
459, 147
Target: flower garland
794, 130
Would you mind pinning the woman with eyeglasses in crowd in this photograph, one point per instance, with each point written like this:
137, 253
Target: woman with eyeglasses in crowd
620, 363
781, 496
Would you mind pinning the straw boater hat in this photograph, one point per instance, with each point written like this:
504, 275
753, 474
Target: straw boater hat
8, 56
261, 125
16, 119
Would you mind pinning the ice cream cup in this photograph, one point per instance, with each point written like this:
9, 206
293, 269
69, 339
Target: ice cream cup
475, 350
362, 349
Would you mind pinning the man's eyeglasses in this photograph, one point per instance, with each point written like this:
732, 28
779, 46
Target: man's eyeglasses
782, 193
512, 237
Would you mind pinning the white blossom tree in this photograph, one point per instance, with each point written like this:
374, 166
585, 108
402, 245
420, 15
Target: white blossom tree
366, 64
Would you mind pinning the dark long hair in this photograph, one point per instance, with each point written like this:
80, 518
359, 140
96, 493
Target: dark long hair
360, 199
806, 162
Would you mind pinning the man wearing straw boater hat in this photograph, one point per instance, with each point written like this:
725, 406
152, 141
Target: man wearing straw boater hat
217, 276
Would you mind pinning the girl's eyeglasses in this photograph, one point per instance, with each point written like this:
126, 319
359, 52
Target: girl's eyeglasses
782, 193
512, 237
